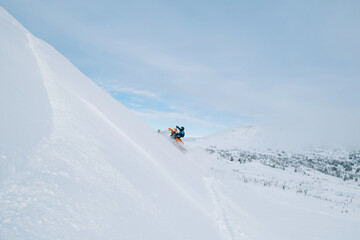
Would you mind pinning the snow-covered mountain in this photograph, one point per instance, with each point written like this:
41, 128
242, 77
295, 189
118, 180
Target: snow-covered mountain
76, 164
244, 137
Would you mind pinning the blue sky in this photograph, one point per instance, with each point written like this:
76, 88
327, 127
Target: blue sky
289, 66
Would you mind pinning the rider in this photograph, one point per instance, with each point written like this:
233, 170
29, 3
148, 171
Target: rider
181, 132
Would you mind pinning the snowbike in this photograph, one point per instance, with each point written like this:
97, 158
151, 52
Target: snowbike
174, 135
176, 140
178, 143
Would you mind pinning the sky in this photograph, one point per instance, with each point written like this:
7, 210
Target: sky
290, 67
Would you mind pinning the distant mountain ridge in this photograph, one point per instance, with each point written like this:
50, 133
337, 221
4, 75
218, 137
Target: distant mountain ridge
235, 137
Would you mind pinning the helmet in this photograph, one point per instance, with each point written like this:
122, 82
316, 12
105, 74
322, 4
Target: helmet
182, 128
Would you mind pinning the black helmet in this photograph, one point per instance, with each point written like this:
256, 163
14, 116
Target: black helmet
182, 128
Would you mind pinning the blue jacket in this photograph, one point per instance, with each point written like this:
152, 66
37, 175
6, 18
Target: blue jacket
181, 132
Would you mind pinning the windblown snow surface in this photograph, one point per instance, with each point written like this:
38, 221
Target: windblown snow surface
76, 164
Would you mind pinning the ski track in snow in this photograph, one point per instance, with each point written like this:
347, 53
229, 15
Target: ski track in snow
219, 210
226, 212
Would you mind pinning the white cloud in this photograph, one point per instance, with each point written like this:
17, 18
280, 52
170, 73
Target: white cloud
167, 62
138, 92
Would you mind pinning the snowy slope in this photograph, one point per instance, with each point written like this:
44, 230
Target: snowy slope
276, 194
75, 164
